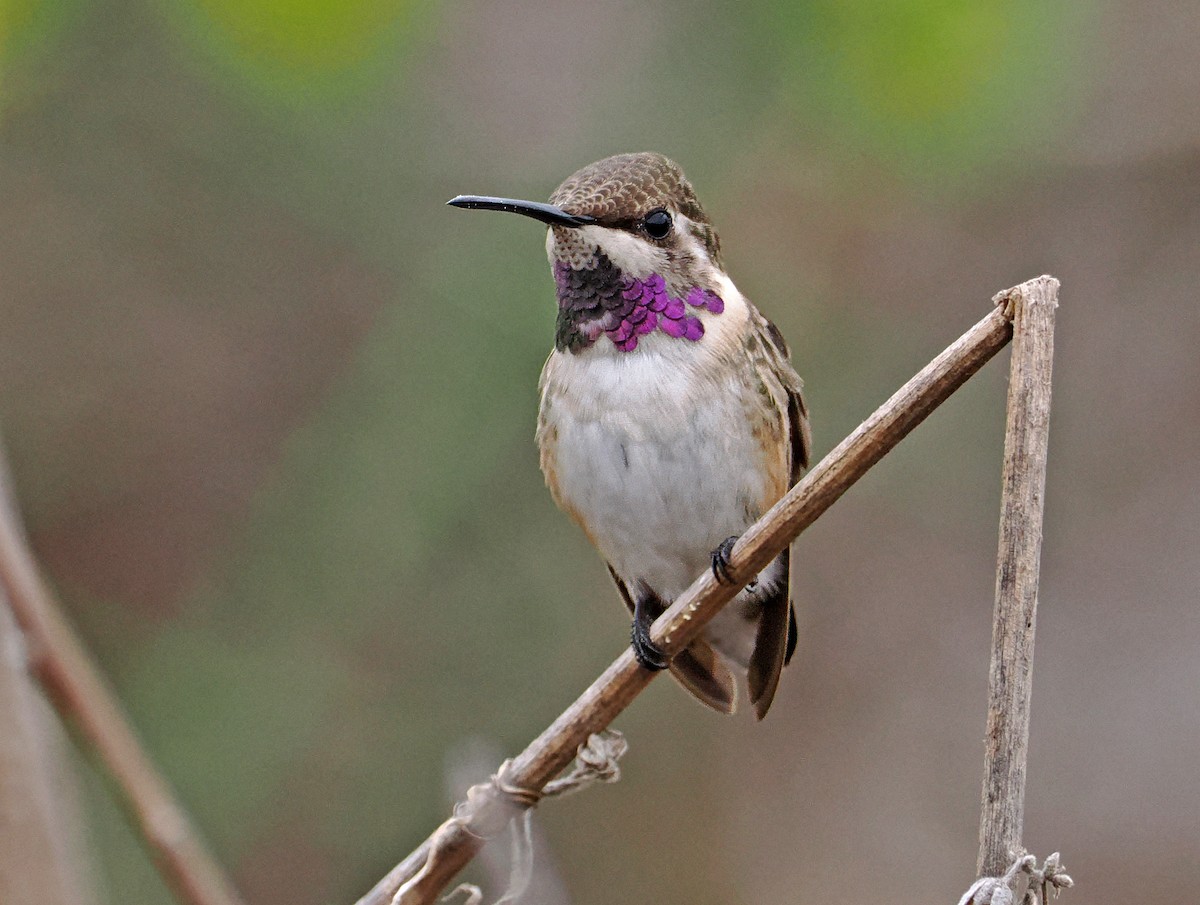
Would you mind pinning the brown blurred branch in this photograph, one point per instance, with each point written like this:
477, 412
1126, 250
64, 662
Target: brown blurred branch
1010, 681
41, 830
420, 877
78, 691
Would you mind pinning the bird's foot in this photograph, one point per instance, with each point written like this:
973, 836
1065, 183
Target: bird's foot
720, 560
648, 654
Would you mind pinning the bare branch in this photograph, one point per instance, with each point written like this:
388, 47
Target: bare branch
41, 829
1010, 681
77, 690
453, 846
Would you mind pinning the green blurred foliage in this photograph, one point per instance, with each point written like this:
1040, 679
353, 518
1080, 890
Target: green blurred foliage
19, 21
303, 37
939, 88
28, 28
299, 52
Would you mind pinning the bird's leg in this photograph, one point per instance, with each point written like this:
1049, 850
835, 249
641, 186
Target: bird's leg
720, 560
648, 653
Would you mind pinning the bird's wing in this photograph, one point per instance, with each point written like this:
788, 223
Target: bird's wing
776, 637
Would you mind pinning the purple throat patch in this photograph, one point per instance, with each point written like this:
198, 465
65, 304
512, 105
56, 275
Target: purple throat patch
637, 307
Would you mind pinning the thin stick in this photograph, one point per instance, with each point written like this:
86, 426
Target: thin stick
77, 690
41, 829
421, 877
1010, 681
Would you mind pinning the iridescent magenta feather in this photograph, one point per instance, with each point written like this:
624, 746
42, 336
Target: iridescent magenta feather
601, 300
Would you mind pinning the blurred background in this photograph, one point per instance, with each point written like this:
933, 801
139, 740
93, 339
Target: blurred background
270, 409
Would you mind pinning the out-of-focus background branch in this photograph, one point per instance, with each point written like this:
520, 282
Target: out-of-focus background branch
270, 412
47, 649
43, 858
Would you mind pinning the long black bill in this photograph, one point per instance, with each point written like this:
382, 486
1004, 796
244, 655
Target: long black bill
547, 213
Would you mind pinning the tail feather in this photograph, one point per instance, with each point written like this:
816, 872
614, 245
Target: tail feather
774, 642
793, 634
703, 672
770, 651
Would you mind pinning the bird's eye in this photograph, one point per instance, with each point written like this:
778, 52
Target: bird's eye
657, 224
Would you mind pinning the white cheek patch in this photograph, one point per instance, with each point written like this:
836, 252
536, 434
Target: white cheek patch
633, 256
686, 229
690, 243
576, 247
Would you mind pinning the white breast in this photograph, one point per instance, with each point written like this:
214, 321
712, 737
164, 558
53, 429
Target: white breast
652, 453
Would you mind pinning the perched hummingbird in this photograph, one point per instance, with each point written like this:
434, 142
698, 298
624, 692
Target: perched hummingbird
671, 417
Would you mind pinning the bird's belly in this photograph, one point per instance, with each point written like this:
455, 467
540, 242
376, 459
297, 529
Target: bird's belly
656, 480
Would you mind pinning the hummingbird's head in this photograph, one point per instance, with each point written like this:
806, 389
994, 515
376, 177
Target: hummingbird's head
633, 253
644, 214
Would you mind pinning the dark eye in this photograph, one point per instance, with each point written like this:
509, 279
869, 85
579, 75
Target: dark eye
657, 224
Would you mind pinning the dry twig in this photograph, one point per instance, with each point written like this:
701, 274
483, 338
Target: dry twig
74, 684
1010, 681
422, 875
41, 833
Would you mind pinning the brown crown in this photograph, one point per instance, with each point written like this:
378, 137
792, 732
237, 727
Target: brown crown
628, 186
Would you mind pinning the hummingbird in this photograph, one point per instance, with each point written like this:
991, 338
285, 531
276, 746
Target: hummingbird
670, 418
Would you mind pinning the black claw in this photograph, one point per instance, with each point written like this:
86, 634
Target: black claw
648, 654
720, 560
